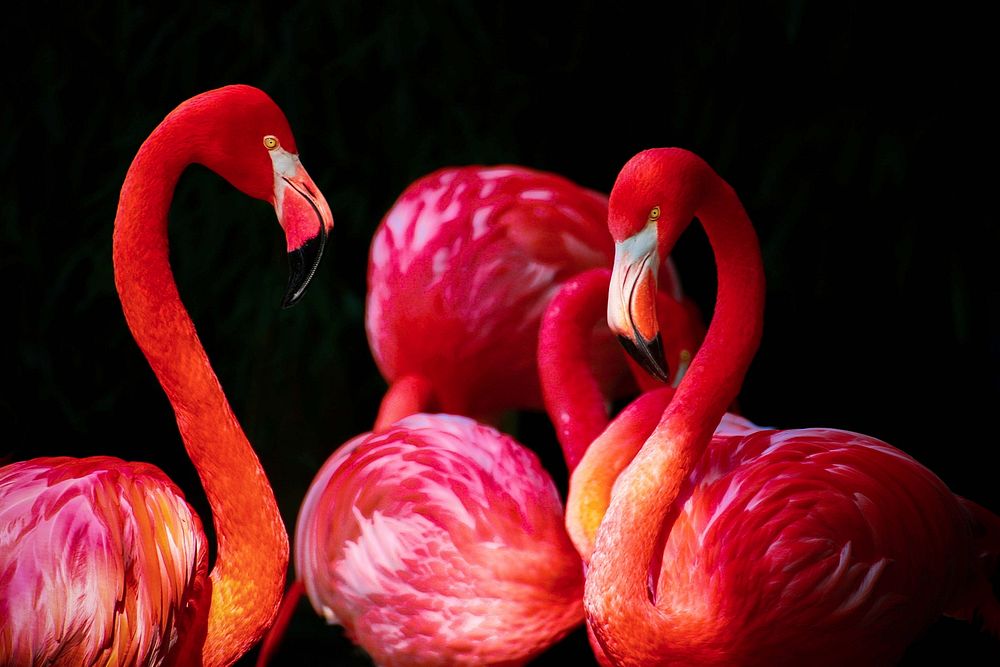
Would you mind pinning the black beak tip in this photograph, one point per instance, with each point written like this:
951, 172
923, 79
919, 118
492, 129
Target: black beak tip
648, 354
291, 298
302, 265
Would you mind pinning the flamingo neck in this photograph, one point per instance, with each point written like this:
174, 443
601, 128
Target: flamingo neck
247, 579
579, 410
572, 395
621, 602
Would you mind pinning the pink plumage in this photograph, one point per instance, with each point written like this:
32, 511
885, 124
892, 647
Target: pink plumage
76, 534
781, 533
439, 541
460, 271
796, 547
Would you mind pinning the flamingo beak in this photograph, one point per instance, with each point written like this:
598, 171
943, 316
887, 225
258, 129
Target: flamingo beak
306, 218
632, 301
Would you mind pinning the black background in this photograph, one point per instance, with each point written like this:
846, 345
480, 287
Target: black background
861, 141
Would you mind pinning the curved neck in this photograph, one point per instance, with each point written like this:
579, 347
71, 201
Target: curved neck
571, 392
578, 408
247, 580
618, 595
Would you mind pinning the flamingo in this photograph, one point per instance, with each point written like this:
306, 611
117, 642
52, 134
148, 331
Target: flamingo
459, 273
439, 541
102, 561
578, 408
811, 546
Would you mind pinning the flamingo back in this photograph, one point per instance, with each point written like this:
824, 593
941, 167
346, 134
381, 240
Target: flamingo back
439, 541
102, 562
460, 271
803, 542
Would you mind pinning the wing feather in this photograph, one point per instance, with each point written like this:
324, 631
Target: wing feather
100, 561
784, 532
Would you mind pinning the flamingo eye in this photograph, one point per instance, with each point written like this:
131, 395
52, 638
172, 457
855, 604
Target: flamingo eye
654, 214
271, 142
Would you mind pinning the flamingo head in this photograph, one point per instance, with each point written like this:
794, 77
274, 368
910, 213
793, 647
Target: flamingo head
653, 200
246, 140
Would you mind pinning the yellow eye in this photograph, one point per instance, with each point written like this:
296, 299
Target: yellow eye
655, 213
271, 142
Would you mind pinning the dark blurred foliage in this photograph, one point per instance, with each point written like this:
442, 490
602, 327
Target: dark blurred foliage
861, 139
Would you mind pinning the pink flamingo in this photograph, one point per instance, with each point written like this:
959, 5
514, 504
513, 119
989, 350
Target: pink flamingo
811, 546
439, 541
102, 561
459, 273
578, 407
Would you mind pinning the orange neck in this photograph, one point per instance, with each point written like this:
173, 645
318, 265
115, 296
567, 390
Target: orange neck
247, 580
618, 599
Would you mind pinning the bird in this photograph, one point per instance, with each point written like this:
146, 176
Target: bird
439, 541
103, 561
460, 270
579, 410
808, 546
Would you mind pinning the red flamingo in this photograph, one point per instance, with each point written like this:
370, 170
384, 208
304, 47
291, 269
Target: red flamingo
102, 561
439, 541
812, 546
578, 407
459, 273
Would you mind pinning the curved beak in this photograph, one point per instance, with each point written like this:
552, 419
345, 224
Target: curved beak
632, 301
306, 218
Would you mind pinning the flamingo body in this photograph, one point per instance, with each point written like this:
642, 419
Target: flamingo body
796, 547
461, 269
76, 532
439, 541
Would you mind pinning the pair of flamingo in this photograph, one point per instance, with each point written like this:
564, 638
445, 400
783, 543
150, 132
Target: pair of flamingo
717, 549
